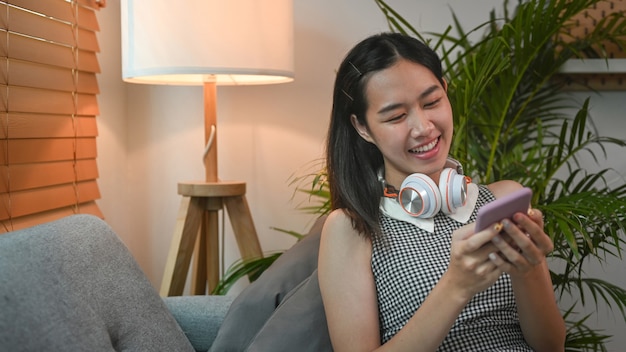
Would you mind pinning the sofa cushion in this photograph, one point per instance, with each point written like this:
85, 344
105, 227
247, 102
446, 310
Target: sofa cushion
254, 306
71, 285
200, 317
298, 324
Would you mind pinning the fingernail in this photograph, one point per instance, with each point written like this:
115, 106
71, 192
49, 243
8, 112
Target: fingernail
496, 239
493, 256
498, 227
531, 212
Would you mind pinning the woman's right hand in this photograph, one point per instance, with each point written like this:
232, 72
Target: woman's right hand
471, 270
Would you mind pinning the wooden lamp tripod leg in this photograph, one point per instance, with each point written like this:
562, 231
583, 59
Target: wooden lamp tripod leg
243, 227
181, 249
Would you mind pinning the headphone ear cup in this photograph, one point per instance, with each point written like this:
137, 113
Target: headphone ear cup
453, 188
419, 196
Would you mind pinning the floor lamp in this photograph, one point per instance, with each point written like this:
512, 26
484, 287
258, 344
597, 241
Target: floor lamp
208, 43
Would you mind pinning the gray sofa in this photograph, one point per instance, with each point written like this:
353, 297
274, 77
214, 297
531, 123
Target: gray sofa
71, 285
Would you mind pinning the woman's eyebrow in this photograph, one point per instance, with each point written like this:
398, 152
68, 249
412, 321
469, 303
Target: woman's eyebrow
389, 107
424, 94
429, 91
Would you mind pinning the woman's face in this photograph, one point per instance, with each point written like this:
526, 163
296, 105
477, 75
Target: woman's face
410, 120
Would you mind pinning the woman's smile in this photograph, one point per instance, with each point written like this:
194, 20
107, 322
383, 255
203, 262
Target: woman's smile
425, 148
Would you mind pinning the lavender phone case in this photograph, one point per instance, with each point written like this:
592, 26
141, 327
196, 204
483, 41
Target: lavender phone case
504, 207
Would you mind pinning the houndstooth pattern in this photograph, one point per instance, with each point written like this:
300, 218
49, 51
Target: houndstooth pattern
489, 322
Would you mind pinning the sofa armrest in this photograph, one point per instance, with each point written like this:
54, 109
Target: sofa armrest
200, 317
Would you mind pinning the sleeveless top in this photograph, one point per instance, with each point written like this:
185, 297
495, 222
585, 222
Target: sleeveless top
408, 261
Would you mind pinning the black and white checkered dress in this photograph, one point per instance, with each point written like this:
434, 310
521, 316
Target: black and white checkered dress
408, 264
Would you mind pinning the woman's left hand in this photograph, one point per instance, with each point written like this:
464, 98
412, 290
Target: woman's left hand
522, 243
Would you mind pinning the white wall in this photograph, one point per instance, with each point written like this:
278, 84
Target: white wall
608, 111
151, 137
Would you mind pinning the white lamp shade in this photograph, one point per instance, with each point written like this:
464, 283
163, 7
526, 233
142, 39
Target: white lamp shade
190, 42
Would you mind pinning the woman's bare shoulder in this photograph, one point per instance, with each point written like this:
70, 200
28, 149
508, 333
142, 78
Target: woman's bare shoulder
504, 187
338, 234
338, 222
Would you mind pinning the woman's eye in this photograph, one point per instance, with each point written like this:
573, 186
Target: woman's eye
432, 103
396, 118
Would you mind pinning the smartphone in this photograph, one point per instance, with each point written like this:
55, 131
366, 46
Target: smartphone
503, 208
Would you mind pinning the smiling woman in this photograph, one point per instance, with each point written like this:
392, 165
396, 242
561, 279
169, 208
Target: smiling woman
48, 102
426, 280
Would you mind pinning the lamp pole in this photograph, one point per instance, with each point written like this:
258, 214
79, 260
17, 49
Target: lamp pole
210, 130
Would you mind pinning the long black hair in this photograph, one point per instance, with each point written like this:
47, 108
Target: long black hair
352, 163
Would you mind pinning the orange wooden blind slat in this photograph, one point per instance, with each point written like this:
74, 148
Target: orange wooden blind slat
20, 21
87, 19
32, 50
87, 105
86, 40
62, 10
21, 99
23, 222
88, 61
87, 82
33, 176
30, 74
25, 151
20, 126
32, 100
44, 199
59, 9
29, 49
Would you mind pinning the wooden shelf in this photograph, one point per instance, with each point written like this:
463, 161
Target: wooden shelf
594, 66
594, 74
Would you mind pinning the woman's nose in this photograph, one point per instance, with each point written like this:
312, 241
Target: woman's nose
420, 125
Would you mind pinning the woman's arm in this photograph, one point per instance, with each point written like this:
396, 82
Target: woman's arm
525, 261
347, 286
349, 292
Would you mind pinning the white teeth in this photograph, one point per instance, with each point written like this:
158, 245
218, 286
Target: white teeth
425, 148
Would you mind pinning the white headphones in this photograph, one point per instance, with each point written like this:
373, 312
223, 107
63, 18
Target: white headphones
420, 196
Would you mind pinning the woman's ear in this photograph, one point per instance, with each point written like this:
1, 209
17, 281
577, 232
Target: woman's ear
361, 129
445, 84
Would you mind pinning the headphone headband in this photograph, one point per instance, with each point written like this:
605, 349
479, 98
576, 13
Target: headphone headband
454, 164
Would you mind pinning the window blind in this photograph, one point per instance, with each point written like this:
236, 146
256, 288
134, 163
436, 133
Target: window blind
48, 109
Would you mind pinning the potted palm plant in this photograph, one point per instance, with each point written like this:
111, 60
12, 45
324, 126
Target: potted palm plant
513, 121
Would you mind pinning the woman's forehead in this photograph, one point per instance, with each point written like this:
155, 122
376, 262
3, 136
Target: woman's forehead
403, 77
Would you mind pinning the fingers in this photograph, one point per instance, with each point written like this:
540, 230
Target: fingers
536, 215
474, 272
489, 271
473, 251
473, 241
500, 263
469, 258
522, 253
532, 226
522, 245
